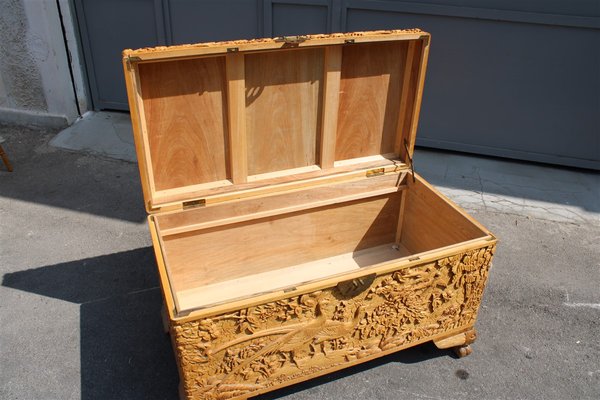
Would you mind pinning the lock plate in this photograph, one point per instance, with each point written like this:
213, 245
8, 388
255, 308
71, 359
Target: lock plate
355, 286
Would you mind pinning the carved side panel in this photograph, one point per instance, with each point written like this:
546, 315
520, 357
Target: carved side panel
259, 347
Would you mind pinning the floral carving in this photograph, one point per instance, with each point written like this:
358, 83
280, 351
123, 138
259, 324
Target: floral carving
237, 354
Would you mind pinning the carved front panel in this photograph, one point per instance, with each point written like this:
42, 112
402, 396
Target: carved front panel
255, 348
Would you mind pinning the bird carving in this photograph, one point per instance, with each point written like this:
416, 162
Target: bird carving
316, 331
332, 330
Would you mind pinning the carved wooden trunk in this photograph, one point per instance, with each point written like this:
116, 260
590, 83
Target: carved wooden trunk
292, 236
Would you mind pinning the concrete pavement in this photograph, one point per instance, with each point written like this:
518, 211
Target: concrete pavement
79, 297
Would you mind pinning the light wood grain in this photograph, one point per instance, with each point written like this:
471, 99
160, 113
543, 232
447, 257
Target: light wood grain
251, 285
236, 101
401, 216
369, 100
167, 292
404, 116
419, 72
296, 95
430, 222
186, 121
289, 201
283, 105
333, 70
209, 256
283, 173
303, 177
135, 102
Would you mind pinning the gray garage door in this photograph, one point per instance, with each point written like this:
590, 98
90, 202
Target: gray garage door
512, 78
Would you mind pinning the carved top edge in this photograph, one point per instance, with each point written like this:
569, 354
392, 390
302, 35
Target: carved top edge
233, 43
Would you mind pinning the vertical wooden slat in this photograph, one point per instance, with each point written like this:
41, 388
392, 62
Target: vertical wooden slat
236, 103
420, 83
331, 99
401, 216
171, 302
399, 145
410, 55
140, 131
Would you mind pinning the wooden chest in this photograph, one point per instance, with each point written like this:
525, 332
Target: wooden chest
292, 236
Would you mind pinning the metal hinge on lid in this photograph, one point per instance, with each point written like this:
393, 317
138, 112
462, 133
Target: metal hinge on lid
194, 204
296, 39
131, 59
410, 161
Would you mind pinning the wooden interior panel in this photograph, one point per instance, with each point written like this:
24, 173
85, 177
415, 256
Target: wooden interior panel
408, 122
283, 105
407, 98
429, 222
236, 101
246, 286
185, 112
369, 102
333, 72
278, 203
248, 248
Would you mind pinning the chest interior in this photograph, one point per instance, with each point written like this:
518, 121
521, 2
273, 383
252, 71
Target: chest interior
273, 165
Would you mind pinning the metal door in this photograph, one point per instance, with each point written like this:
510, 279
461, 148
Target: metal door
509, 78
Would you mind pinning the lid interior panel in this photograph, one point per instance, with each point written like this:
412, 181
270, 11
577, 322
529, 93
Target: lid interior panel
185, 107
283, 106
377, 92
369, 99
211, 126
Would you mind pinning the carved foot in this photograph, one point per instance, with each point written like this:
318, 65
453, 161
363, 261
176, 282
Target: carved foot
459, 343
462, 351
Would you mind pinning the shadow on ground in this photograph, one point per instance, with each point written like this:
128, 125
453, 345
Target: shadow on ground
124, 351
75, 181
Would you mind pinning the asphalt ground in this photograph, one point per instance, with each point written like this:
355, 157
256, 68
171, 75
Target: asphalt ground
79, 296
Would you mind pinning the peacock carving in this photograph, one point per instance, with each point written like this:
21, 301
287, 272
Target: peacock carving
313, 334
234, 355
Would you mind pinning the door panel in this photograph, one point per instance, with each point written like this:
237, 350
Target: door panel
509, 78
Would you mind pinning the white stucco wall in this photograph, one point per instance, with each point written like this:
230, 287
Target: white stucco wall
77, 63
35, 82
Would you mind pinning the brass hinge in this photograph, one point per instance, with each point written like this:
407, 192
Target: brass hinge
410, 161
151, 208
296, 39
130, 60
194, 204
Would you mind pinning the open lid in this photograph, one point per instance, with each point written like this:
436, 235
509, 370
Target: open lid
234, 119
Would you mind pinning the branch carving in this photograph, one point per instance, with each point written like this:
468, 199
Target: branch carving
233, 355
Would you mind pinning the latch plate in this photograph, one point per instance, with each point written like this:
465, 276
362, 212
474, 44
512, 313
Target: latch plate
296, 39
130, 60
354, 287
410, 161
